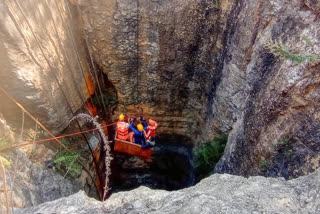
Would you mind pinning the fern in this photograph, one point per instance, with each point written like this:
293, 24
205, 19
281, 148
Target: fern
277, 48
67, 162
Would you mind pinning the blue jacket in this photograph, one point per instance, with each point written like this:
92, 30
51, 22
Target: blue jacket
138, 136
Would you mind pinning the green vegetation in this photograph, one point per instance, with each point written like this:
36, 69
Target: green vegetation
5, 162
214, 5
284, 142
3, 143
278, 49
207, 156
108, 97
285, 147
264, 165
67, 163
108, 100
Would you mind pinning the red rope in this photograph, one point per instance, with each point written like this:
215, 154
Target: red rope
55, 138
58, 137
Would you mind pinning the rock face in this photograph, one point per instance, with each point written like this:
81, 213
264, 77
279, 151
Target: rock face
276, 133
33, 184
162, 55
42, 54
220, 193
203, 67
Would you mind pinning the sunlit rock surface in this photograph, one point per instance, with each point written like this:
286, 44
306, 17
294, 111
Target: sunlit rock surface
41, 47
220, 193
277, 132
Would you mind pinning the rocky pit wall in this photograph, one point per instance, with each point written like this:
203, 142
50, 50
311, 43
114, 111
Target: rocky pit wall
162, 55
199, 68
277, 132
41, 47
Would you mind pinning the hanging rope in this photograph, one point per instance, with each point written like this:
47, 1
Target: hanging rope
57, 140
74, 47
65, 54
138, 60
92, 63
56, 79
44, 128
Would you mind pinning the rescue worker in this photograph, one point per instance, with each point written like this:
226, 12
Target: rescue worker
122, 128
139, 135
150, 132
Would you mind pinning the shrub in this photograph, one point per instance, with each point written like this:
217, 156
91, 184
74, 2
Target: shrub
207, 156
278, 49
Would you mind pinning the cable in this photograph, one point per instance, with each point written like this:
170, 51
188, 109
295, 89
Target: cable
54, 138
51, 70
73, 47
137, 38
53, 74
92, 63
64, 53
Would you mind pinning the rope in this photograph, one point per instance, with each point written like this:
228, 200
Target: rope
54, 138
73, 46
92, 63
44, 128
137, 37
55, 77
64, 54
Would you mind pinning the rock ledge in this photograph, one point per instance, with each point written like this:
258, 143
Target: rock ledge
219, 193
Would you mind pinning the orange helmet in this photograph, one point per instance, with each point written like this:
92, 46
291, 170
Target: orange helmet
140, 127
152, 122
121, 116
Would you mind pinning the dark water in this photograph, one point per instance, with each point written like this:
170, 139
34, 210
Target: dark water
170, 169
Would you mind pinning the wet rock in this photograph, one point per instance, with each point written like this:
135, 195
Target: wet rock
220, 193
94, 142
